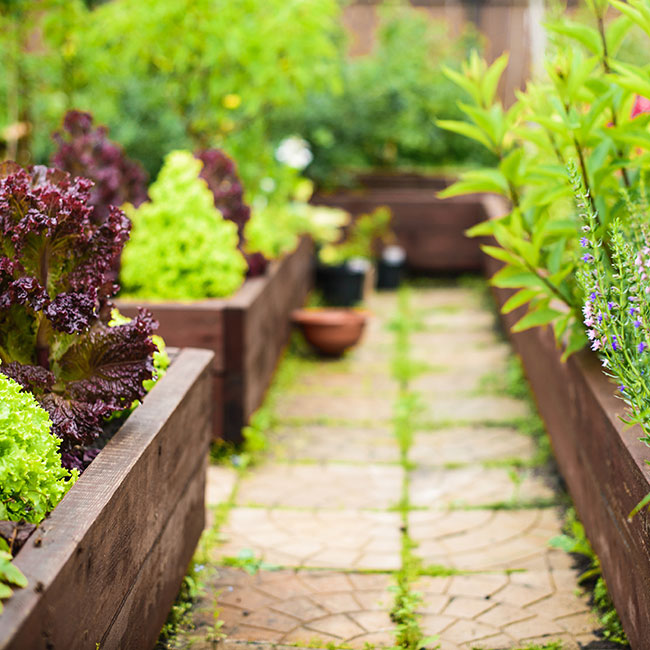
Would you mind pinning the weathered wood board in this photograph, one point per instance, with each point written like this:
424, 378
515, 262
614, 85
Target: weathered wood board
105, 566
431, 230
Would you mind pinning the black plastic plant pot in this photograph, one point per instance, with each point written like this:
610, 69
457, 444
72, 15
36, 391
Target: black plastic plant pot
390, 268
342, 284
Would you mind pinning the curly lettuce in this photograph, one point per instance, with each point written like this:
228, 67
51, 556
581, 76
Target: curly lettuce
181, 247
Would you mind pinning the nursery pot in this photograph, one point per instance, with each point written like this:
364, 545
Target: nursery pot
330, 331
342, 284
390, 268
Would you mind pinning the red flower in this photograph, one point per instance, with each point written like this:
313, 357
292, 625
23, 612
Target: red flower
641, 105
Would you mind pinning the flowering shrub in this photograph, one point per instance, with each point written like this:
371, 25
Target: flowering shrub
87, 152
32, 480
55, 339
616, 311
181, 247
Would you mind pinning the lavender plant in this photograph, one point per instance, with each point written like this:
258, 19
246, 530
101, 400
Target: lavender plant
616, 284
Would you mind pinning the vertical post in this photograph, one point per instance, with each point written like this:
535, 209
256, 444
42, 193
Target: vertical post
537, 36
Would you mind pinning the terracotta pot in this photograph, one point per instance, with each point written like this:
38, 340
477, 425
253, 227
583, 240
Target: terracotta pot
330, 331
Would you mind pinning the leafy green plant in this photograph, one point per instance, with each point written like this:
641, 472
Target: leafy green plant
276, 226
364, 235
10, 576
382, 116
55, 339
229, 66
181, 247
32, 480
582, 110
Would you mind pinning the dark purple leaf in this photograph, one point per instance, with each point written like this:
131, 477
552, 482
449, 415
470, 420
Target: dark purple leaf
87, 152
220, 174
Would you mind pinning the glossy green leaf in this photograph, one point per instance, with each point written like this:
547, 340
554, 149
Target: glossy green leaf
518, 299
536, 318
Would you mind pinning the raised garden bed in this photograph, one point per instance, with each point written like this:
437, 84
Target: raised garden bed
428, 228
247, 333
602, 461
105, 566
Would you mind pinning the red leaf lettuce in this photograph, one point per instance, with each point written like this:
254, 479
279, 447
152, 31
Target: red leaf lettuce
55, 264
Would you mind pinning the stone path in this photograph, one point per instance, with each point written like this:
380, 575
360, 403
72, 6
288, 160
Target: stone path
318, 518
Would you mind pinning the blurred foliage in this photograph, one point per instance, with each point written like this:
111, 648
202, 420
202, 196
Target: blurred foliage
364, 237
163, 74
383, 116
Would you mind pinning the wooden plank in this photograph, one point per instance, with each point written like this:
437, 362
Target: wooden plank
84, 558
268, 326
140, 619
431, 230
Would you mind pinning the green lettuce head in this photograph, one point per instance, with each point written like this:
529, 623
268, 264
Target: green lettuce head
181, 247
32, 480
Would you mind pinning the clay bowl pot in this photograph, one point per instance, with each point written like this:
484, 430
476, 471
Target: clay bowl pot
331, 331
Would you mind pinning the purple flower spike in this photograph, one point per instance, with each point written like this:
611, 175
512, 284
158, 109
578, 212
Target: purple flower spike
637, 324
584, 242
621, 388
642, 346
593, 296
587, 257
611, 305
615, 345
632, 310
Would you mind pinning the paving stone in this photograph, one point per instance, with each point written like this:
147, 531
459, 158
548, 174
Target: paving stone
219, 485
445, 300
465, 631
322, 486
483, 408
470, 445
455, 340
320, 407
464, 533
259, 608
323, 443
444, 382
480, 360
323, 520
463, 607
315, 538
473, 486
463, 320
352, 382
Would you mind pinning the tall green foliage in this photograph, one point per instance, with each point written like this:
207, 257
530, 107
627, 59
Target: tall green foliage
582, 111
181, 247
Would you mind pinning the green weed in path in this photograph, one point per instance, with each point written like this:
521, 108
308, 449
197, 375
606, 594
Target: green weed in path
406, 410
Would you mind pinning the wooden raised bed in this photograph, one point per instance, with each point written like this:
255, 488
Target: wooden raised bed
431, 230
602, 461
105, 567
247, 333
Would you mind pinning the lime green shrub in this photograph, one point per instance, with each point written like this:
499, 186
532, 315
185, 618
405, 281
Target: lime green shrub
181, 248
32, 480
